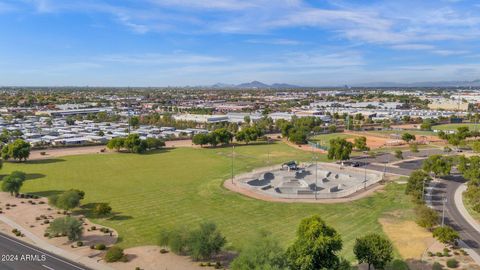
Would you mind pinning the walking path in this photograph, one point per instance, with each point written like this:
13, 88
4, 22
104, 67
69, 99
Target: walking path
53, 249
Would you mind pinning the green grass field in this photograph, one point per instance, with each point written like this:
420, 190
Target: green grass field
475, 215
184, 187
455, 126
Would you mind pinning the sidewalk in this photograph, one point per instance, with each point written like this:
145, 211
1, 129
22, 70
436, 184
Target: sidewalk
463, 211
53, 249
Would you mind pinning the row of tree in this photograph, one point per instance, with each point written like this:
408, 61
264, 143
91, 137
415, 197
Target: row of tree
458, 138
134, 144
317, 246
435, 165
219, 136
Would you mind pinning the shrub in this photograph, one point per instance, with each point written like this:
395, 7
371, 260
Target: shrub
80, 244
114, 254
439, 254
430, 254
437, 266
452, 263
163, 251
46, 234
100, 247
66, 226
101, 209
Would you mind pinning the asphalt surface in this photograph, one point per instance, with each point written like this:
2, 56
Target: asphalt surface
453, 218
445, 189
18, 255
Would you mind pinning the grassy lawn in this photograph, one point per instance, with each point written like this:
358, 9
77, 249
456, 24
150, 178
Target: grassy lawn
470, 210
455, 126
184, 187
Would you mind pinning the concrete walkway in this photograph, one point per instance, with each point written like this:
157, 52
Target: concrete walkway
41, 243
463, 211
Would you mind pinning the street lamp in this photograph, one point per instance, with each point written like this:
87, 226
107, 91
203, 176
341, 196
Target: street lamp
316, 173
233, 149
443, 211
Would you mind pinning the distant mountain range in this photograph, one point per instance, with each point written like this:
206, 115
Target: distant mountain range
261, 85
255, 85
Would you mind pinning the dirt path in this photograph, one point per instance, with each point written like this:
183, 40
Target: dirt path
97, 149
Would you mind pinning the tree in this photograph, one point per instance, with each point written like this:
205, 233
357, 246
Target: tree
332, 128
176, 240
438, 165
221, 136
67, 200
415, 185
68, 226
373, 249
248, 134
426, 217
134, 144
101, 209
154, 143
414, 148
360, 143
206, 241
407, 137
116, 143
201, 139
476, 146
340, 149
13, 182
18, 150
315, 247
446, 235
264, 252
399, 154
134, 122
298, 136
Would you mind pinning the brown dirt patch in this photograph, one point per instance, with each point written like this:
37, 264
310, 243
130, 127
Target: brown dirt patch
409, 239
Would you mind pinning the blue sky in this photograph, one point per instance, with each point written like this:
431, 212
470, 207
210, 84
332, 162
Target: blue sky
200, 42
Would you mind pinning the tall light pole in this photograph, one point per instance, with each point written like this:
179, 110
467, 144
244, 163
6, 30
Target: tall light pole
316, 173
385, 166
233, 149
443, 211
268, 151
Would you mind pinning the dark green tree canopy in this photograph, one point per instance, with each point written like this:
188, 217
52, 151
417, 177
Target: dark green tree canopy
316, 246
13, 182
18, 150
339, 149
373, 249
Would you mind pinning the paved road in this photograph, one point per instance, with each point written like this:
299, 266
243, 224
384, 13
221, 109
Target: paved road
18, 255
453, 217
444, 189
